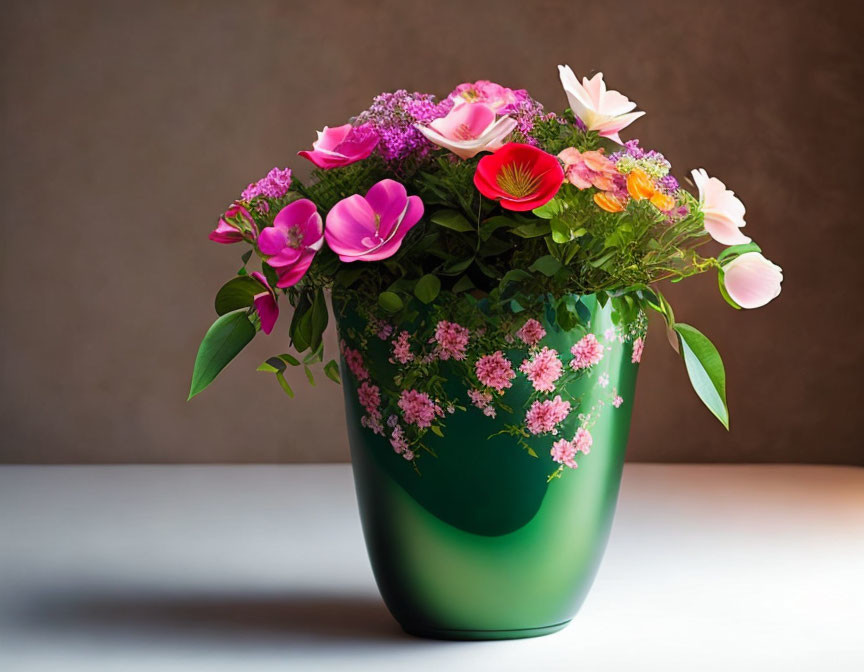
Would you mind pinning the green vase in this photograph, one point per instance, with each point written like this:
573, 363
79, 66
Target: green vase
481, 544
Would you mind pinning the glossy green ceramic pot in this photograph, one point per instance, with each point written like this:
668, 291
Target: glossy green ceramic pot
480, 544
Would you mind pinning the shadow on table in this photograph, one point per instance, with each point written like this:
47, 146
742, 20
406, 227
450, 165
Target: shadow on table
206, 618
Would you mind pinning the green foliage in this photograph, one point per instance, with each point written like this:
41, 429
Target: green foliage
705, 368
237, 293
225, 338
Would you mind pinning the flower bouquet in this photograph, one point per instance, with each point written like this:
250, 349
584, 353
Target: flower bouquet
489, 266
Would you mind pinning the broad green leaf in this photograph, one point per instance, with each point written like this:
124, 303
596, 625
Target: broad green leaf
390, 302
289, 359
463, 284
457, 267
705, 368
547, 265
514, 275
226, 337
237, 293
319, 320
427, 288
532, 230
583, 312
549, 210
436, 430
492, 224
560, 230
331, 370
450, 219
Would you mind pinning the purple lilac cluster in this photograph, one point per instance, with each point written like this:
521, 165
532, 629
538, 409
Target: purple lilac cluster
273, 185
392, 117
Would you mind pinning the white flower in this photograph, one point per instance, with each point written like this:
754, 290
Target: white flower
751, 280
606, 112
723, 210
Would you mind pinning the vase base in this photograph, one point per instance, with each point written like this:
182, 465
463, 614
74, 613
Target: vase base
474, 635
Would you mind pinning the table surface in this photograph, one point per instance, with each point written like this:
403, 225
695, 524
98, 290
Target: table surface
263, 568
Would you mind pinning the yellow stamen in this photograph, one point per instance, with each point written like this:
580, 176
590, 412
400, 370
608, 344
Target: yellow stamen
517, 180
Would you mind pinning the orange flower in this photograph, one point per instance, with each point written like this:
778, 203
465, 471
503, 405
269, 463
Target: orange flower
608, 202
662, 201
639, 185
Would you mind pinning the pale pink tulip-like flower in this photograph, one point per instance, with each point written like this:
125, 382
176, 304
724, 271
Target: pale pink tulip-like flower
606, 112
341, 146
469, 129
372, 228
291, 243
722, 209
751, 280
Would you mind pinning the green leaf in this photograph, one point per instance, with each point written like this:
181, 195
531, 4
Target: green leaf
560, 230
457, 267
583, 312
246, 256
514, 275
270, 366
237, 293
427, 288
723, 292
390, 302
532, 230
319, 320
331, 370
547, 265
289, 359
225, 338
309, 375
463, 284
705, 368
488, 227
450, 219
436, 430
549, 210
738, 250
284, 384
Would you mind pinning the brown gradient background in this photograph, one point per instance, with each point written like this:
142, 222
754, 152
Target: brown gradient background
128, 126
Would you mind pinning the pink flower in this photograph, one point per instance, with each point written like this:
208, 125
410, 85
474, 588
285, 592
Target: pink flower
499, 98
291, 243
617, 401
408, 455
273, 185
722, 209
489, 411
638, 347
354, 361
468, 130
452, 339
373, 422
586, 353
235, 225
372, 228
483, 401
583, 440
402, 348
607, 112
495, 371
563, 452
590, 169
751, 280
543, 370
341, 146
531, 332
265, 303
418, 408
603, 380
544, 415
397, 440
369, 397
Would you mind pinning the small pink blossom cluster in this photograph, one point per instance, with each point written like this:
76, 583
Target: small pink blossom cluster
638, 347
483, 401
370, 398
274, 185
402, 348
372, 422
531, 332
586, 353
354, 360
400, 443
452, 339
381, 328
495, 371
617, 400
418, 408
564, 451
543, 369
544, 415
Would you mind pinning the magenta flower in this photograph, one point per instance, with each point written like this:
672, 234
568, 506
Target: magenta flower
452, 339
265, 304
418, 408
543, 369
274, 184
235, 225
292, 241
531, 333
544, 415
495, 371
586, 353
372, 228
341, 146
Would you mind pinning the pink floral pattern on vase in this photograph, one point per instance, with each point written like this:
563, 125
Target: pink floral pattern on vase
452, 339
543, 369
495, 371
586, 353
418, 408
544, 416
531, 333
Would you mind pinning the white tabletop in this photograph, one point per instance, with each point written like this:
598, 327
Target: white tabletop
263, 568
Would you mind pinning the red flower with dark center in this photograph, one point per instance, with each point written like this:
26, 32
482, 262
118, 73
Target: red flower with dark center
521, 177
